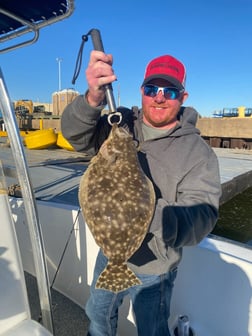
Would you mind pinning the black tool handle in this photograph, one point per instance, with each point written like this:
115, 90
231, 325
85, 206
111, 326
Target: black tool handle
98, 45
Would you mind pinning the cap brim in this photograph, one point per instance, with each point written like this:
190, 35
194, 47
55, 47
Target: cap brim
169, 79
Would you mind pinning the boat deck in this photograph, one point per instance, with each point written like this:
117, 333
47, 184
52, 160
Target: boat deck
69, 319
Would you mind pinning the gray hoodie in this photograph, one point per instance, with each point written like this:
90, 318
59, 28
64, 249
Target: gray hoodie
183, 169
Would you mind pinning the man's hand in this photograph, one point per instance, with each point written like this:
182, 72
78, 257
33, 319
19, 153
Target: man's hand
98, 73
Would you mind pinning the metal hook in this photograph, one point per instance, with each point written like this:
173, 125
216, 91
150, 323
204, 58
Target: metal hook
118, 117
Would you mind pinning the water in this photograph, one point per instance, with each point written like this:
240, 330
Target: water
235, 218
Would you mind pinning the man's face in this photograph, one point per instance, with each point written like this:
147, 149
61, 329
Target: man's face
159, 111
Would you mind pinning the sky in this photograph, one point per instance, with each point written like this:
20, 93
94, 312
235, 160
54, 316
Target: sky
212, 38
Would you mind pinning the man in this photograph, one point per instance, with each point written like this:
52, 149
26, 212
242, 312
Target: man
185, 174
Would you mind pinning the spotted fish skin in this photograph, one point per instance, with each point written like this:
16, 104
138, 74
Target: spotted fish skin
117, 201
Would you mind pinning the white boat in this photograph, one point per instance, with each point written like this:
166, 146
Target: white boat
43, 233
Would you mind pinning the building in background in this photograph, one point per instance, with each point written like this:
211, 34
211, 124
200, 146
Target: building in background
61, 99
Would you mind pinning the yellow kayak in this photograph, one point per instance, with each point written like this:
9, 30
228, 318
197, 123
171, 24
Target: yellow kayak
63, 143
40, 139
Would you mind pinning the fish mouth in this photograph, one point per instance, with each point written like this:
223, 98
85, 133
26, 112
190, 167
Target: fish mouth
121, 132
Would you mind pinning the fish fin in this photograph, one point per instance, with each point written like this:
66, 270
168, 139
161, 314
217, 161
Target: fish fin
117, 278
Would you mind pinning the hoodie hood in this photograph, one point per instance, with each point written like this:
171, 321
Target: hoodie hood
187, 119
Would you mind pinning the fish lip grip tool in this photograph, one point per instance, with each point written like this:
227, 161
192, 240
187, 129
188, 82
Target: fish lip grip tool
113, 116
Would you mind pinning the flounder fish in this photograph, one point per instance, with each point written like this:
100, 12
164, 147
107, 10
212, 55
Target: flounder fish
117, 201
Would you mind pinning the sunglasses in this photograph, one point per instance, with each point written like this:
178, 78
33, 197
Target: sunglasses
168, 92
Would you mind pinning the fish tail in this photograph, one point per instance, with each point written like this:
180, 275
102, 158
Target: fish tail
117, 278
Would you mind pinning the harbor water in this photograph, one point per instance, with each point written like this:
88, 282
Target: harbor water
235, 218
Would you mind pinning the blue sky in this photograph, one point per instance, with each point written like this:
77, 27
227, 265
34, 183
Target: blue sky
212, 38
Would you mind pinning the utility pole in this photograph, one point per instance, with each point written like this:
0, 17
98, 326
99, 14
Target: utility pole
59, 60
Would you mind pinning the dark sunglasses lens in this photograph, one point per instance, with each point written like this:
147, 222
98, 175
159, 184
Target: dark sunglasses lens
171, 93
150, 90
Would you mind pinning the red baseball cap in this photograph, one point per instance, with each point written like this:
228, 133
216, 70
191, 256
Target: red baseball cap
166, 67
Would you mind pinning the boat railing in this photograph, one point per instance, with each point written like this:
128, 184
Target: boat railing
29, 203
